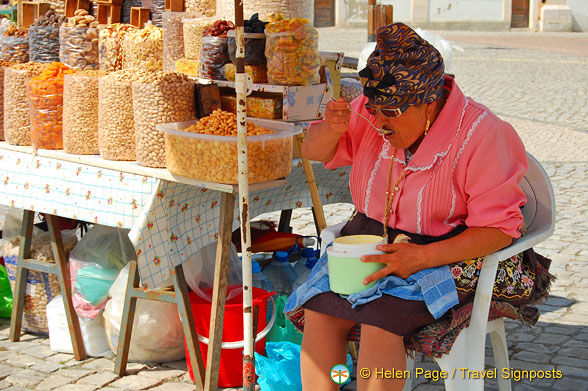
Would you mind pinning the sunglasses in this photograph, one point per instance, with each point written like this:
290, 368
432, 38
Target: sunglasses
390, 113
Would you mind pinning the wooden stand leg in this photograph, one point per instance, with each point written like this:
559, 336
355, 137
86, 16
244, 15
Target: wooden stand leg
221, 272
61, 262
22, 273
312, 187
124, 339
187, 318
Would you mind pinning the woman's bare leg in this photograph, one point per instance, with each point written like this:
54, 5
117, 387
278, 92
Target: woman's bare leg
323, 347
380, 350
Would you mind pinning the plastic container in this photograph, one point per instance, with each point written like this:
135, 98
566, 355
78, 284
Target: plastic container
44, 43
93, 334
213, 57
231, 360
15, 49
281, 274
193, 30
254, 48
304, 266
215, 159
346, 271
293, 57
79, 47
260, 281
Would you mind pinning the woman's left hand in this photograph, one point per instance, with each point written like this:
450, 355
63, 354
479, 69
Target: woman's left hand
401, 260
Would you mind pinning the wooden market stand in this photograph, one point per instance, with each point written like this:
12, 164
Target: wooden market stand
204, 380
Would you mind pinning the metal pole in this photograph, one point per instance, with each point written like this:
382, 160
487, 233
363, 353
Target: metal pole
241, 89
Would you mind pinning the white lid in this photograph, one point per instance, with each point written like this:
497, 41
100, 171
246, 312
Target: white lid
281, 129
231, 33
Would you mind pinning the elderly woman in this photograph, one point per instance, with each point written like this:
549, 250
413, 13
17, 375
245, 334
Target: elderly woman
427, 162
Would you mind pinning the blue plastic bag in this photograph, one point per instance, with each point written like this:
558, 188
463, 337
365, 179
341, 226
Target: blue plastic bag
280, 370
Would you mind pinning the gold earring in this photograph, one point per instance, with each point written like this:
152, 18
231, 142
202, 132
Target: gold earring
427, 126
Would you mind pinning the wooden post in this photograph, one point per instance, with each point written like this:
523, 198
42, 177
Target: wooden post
60, 268
389, 14
219, 291
371, 20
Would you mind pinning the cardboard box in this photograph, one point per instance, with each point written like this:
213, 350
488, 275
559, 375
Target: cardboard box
299, 103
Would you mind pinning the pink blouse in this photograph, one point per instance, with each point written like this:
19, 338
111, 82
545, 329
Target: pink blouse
466, 171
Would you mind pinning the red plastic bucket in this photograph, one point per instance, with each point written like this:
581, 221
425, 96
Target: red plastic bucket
231, 360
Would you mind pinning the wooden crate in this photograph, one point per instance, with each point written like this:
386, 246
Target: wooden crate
110, 2
139, 16
108, 13
72, 6
174, 5
29, 11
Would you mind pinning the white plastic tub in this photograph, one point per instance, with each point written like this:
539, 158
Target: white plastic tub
215, 159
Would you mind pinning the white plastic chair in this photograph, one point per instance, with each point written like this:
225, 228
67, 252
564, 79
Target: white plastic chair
468, 350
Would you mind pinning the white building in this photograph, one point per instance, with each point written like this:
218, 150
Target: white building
558, 15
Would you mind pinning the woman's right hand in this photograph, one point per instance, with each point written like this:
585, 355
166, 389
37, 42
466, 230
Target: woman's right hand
337, 116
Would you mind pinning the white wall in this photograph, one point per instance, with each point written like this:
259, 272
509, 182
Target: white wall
466, 10
401, 9
579, 14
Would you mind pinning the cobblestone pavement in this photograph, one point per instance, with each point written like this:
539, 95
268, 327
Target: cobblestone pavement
538, 82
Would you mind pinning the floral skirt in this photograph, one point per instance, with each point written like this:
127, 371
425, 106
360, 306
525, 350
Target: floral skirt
522, 280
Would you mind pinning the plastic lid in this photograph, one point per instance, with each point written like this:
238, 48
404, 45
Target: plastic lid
232, 33
282, 256
307, 252
255, 267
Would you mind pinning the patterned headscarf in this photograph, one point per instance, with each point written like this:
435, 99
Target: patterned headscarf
403, 70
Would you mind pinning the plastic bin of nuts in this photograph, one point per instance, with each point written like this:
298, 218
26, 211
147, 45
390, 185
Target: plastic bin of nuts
214, 158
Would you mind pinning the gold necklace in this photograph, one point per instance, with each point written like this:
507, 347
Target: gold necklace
390, 194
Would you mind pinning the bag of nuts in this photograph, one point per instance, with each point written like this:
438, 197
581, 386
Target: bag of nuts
173, 39
3, 65
79, 41
110, 46
116, 126
17, 121
79, 47
213, 57
143, 48
194, 29
15, 48
80, 112
162, 98
203, 7
44, 37
156, 8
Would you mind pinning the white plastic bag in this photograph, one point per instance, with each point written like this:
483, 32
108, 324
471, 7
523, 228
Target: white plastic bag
96, 261
199, 271
158, 335
93, 334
